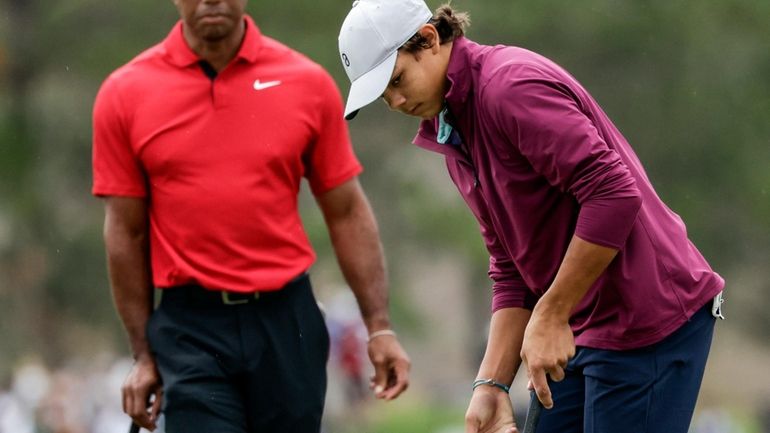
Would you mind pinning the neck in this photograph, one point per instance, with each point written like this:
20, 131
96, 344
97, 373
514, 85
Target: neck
446, 54
218, 53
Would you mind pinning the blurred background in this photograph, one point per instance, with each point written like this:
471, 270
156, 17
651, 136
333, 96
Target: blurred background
688, 83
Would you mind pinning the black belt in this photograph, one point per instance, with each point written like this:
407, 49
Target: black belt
199, 295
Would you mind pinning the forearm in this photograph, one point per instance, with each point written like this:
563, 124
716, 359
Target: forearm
356, 242
582, 265
502, 356
130, 280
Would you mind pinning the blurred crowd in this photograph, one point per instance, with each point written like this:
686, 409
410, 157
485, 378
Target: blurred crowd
76, 400
84, 396
67, 400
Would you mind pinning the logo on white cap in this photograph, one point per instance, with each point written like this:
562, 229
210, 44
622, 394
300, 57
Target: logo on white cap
369, 40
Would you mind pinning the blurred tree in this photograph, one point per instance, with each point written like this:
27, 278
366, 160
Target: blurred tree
23, 260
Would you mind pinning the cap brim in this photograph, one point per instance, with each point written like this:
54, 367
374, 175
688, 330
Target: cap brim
369, 86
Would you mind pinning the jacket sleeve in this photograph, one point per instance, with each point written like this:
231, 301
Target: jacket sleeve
508, 287
543, 121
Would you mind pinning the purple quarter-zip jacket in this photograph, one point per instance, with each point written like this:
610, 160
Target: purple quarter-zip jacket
539, 162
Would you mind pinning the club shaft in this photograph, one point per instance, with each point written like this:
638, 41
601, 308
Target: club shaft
533, 413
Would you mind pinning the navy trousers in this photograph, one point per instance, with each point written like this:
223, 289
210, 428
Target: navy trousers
241, 364
647, 390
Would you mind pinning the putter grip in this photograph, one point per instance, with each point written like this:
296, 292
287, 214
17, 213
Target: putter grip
533, 413
134, 428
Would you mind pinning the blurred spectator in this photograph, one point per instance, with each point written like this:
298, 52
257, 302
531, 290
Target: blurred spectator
104, 387
67, 400
347, 335
63, 409
30, 383
14, 416
350, 356
713, 421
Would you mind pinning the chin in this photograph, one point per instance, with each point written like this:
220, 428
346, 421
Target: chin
213, 33
428, 115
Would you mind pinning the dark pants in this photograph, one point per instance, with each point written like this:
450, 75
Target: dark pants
647, 390
254, 367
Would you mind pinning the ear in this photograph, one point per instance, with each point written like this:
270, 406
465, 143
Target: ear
430, 33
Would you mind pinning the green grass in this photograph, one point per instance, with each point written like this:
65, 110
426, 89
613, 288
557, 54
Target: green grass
404, 417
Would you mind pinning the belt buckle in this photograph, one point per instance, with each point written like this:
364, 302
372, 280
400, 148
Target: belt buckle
227, 301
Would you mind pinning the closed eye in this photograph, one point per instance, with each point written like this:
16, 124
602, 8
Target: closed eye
396, 81
393, 83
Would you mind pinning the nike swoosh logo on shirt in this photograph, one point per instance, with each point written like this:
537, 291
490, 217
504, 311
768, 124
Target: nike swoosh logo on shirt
258, 85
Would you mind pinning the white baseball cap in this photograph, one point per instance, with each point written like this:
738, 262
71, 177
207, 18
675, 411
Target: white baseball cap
369, 40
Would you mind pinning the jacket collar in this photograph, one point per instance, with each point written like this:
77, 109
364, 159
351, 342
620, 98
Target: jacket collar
459, 75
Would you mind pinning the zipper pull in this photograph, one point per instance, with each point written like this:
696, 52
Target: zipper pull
716, 306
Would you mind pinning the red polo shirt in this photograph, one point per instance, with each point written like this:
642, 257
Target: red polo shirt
220, 161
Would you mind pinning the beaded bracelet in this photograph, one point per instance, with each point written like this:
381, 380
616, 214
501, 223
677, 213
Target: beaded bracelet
478, 382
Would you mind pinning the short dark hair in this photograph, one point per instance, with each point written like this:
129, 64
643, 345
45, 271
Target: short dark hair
450, 24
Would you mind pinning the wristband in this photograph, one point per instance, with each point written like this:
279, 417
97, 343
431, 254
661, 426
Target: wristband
478, 382
380, 333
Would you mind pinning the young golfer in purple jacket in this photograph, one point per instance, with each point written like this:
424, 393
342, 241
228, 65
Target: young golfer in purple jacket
595, 283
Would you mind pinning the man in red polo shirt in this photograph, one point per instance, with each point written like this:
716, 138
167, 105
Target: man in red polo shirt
200, 144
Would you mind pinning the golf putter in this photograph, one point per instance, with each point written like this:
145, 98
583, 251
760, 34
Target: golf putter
533, 413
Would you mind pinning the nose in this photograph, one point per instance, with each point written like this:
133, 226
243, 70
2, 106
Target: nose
394, 99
